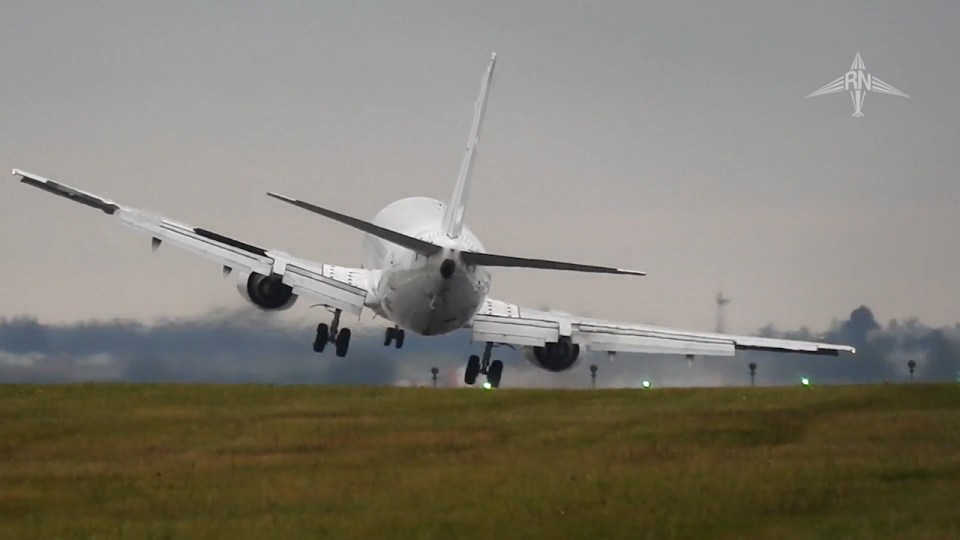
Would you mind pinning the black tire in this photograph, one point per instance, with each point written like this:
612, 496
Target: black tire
323, 337
388, 336
343, 342
400, 335
495, 373
473, 369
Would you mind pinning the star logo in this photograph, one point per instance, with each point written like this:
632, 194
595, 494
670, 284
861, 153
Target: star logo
858, 82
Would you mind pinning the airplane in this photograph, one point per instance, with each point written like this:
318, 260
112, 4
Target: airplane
426, 272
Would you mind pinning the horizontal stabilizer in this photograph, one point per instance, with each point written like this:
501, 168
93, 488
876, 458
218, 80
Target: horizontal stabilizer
489, 259
428, 248
420, 246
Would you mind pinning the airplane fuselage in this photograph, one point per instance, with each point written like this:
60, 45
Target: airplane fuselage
427, 295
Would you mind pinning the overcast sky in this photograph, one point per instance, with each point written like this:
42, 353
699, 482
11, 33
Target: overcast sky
673, 138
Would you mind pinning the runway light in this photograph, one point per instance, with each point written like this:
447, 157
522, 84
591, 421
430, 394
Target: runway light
804, 381
645, 384
487, 386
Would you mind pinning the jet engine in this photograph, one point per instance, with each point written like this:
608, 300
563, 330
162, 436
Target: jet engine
268, 293
556, 356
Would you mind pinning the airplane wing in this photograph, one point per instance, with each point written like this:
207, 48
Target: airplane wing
333, 286
501, 322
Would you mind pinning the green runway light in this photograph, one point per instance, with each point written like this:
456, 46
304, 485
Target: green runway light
804, 381
645, 384
487, 386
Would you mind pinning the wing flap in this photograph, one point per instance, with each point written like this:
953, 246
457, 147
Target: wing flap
656, 345
345, 294
530, 332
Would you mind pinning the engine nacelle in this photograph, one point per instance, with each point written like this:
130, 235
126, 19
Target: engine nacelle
268, 293
557, 356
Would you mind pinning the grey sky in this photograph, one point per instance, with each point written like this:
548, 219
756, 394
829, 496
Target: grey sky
672, 138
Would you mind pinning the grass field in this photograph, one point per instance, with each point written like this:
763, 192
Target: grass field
156, 461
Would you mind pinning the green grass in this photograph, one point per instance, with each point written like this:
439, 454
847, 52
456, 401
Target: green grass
165, 461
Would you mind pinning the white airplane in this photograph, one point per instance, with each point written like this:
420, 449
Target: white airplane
426, 272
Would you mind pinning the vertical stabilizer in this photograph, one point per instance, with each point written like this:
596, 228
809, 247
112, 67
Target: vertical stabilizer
453, 214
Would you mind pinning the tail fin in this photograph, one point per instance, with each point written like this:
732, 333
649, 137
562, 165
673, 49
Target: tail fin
453, 214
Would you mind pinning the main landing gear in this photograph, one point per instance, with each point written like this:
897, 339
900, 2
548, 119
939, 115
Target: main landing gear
340, 337
394, 335
476, 366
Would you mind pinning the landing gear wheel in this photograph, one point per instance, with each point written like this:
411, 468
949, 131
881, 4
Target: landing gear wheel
343, 342
473, 369
494, 373
399, 335
388, 336
323, 336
